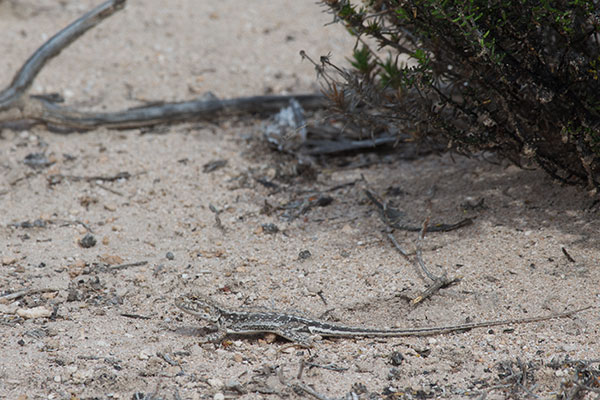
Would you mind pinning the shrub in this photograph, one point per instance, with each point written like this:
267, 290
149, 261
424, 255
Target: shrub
516, 77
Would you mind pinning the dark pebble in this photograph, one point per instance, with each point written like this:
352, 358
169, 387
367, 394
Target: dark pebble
304, 254
270, 228
396, 358
87, 241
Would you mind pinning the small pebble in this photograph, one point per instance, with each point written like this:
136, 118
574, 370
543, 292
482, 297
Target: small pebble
396, 358
304, 254
71, 369
87, 241
170, 256
8, 260
145, 354
39, 223
569, 347
234, 384
270, 228
219, 396
216, 383
80, 376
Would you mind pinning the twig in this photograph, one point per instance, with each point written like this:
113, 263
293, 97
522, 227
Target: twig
300, 386
419, 252
58, 178
566, 253
123, 266
23, 293
101, 186
330, 367
65, 222
311, 391
398, 247
168, 359
301, 369
393, 217
439, 282
319, 147
134, 316
218, 222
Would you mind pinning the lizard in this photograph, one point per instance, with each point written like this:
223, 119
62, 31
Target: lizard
299, 328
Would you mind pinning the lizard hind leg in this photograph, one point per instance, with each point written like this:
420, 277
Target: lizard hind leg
293, 333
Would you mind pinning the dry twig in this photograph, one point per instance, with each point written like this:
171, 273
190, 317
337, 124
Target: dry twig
394, 218
439, 282
24, 293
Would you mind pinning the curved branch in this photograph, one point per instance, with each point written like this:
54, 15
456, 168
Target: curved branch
16, 105
24, 78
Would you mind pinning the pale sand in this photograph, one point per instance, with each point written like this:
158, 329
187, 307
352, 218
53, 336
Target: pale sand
510, 259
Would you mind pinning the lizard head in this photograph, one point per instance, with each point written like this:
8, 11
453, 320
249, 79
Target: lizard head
199, 306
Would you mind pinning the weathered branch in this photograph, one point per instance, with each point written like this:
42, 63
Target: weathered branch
17, 105
47, 112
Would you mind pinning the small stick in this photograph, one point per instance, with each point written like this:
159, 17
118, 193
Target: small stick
419, 252
566, 253
311, 391
398, 247
218, 222
123, 266
168, 359
299, 385
393, 217
134, 316
301, 369
57, 178
438, 282
330, 367
101, 186
23, 293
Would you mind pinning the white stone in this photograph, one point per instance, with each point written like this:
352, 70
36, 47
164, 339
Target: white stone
36, 312
216, 383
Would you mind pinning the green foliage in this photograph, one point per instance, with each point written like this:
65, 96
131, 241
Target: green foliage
390, 74
362, 61
519, 77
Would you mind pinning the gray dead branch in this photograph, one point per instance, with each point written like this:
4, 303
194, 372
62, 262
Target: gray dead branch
18, 105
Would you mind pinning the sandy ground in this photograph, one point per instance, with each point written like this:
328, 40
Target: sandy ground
111, 329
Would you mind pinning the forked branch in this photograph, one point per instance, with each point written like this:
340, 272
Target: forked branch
16, 104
